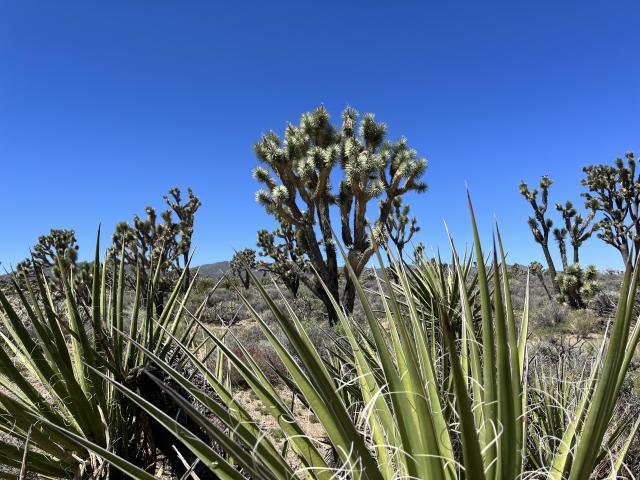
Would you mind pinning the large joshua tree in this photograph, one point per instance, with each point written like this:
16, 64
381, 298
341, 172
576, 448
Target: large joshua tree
297, 176
615, 193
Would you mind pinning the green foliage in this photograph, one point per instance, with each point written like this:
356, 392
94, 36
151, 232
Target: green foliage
578, 285
242, 263
583, 322
298, 192
56, 371
391, 408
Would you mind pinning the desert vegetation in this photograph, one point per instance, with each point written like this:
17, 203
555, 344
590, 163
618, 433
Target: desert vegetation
334, 347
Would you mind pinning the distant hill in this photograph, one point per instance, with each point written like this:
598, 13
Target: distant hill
213, 270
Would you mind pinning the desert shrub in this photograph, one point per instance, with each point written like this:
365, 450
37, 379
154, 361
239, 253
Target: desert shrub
583, 322
603, 304
259, 349
548, 314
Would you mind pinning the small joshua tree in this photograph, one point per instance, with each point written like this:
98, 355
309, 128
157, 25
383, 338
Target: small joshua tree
186, 213
400, 227
157, 243
539, 223
578, 285
241, 264
615, 193
537, 269
577, 227
148, 244
299, 194
288, 262
418, 252
59, 249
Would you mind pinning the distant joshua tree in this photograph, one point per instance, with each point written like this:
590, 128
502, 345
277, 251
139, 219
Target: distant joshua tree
400, 227
186, 213
578, 228
54, 254
299, 194
288, 262
537, 269
242, 263
539, 223
157, 243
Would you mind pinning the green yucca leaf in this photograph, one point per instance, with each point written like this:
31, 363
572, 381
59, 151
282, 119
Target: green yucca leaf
305, 447
489, 399
620, 456
605, 394
136, 473
244, 428
319, 390
509, 448
212, 459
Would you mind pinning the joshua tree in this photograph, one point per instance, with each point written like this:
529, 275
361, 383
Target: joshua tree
54, 251
288, 258
400, 227
578, 285
418, 252
541, 225
241, 263
577, 227
299, 194
147, 245
615, 192
186, 214
537, 269
151, 243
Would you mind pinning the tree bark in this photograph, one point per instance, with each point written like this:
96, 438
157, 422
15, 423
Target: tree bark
552, 268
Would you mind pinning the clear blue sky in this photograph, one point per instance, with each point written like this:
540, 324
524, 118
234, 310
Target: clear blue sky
106, 105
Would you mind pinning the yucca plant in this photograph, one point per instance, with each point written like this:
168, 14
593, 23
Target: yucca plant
54, 361
407, 425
